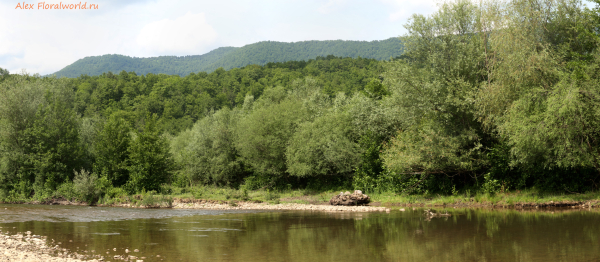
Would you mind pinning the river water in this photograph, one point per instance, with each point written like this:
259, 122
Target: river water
206, 235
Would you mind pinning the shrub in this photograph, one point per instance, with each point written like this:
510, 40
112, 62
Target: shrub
490, 186
84, 184
66, 190
271, 195
197, 192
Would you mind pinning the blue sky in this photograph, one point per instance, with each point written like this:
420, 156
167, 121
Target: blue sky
44, 41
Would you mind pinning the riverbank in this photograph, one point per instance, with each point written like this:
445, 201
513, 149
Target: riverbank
235, 205
231, 199
514, 199
303, 200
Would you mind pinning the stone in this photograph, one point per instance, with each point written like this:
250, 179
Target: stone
347, 199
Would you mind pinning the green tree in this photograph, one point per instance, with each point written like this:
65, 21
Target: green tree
20, 98
433, 86
150, 162
324, 146
263, 134
111, 150
54, 143
4, 73
542, 93
375, 89
40, 135
206, 153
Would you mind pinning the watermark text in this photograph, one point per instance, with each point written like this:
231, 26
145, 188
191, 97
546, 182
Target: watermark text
59, 6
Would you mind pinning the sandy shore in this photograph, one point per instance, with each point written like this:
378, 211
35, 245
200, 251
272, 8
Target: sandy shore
207, 204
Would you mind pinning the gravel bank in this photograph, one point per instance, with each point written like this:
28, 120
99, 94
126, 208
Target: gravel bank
32, 248
207, 204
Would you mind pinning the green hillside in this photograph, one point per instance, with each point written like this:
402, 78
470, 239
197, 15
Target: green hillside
259, 53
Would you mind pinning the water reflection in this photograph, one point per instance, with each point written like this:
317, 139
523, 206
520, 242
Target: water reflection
465, 235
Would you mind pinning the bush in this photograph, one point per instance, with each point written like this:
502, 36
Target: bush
197, 192
271, 195
241, 194
151, 201
490, 186
115, 192
85, 187
66, 190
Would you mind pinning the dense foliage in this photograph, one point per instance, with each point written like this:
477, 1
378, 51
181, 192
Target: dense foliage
503, 88
227, 58
482, 99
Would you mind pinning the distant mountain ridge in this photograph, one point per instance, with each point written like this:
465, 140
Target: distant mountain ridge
259, 53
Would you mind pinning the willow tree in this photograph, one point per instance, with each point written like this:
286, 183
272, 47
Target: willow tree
206, 153
542, 93
432, 87
520, 76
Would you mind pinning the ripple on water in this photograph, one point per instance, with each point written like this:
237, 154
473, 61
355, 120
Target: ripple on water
213, 229
22, 213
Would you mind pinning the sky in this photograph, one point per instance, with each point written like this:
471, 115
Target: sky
44, 41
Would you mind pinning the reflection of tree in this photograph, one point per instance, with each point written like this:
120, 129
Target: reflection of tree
468, 235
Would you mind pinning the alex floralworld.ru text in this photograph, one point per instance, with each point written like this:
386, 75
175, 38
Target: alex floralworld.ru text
43, 5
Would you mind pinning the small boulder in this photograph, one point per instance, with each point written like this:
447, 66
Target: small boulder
347, 199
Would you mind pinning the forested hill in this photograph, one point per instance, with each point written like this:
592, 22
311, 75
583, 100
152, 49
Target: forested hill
259, 53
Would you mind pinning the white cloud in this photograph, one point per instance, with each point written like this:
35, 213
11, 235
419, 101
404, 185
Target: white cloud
402, 9
330, 6
44, 41
186, 34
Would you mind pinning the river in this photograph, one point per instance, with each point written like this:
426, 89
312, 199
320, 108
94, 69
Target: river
207, 235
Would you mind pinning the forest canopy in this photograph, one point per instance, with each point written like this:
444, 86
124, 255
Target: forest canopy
486, 95
227, 58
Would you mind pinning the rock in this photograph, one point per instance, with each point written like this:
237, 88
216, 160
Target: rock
347, 199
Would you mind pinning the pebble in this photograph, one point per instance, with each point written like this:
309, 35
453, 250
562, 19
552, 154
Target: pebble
290, 206
34, 248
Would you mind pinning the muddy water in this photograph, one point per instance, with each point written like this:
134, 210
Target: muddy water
201, 235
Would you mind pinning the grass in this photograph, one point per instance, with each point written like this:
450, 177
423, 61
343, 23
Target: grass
530, 197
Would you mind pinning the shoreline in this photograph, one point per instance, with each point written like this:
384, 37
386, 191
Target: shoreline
188, 203
221, 199
243, 205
